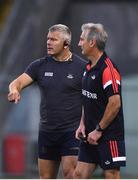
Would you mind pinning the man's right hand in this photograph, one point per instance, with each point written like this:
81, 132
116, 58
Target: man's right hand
14, 96
80, 132
16, 87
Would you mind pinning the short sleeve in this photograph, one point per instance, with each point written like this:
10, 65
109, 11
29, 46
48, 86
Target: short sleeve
111, 81
32, 69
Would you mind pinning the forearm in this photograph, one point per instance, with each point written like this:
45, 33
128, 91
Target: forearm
21, 82
82, 117
81, 129
111, 112
15, 86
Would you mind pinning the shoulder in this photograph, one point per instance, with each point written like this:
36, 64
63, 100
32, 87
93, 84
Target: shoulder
110, 70
79, 59
39, 62
111, 65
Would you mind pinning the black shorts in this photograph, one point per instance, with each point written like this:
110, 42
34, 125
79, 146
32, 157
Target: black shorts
54, 145
109, 155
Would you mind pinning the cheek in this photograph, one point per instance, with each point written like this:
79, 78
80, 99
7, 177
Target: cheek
85, 47
59, 46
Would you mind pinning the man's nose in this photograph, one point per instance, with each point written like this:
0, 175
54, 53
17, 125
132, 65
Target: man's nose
79, 44
48, 41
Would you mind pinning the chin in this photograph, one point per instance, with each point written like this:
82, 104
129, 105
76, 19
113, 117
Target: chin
50, 53
83, 52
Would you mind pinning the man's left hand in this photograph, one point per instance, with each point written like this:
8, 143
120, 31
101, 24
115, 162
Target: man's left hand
94, 136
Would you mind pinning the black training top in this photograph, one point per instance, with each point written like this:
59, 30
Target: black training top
60, 87
99, 83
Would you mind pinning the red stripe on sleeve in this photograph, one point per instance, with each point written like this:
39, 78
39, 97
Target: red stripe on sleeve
111, 74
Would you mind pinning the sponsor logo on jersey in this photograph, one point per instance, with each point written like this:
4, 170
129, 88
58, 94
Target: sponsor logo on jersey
50, 74
107, 162
89, 94
93, 77
70, 76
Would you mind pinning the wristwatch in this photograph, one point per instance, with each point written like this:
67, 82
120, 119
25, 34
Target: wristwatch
98, 128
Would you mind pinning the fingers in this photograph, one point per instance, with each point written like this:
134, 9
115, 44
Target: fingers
80, 132
77, 135
92, 138
14, 97
83, 133
92, 141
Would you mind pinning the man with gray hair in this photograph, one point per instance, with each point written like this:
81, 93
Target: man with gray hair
101, 129
58, 76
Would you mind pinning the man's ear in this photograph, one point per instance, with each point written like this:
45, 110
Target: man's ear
66, 44
92, 42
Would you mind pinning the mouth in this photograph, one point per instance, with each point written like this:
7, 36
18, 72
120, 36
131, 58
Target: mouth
49, 48
82, 51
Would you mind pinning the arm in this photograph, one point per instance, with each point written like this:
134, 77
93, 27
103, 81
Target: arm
110, 113
81, 128
16, 87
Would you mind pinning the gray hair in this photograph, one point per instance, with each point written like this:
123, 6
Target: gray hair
98, 32
63, 29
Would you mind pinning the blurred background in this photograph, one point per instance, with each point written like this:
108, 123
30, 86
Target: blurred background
23, 30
